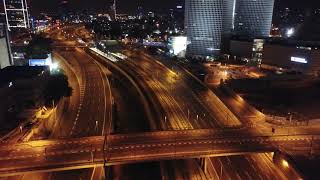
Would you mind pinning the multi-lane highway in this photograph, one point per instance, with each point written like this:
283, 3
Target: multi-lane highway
182, 103
88, 111
178, 95
189, 97
129, 148
179, 98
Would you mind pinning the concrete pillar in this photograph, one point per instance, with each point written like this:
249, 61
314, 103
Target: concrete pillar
203, 164
164, 172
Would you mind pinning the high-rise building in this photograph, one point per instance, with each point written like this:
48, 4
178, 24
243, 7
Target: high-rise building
16, 12
208, 23
64, 10
5, 50
140, 12
176, 17
203, 26
253, 18
113, 9
228, 12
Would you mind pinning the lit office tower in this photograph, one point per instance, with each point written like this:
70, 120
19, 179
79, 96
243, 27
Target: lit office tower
64, 10
228, 11
5, 49
203, 25
253, 18
16, 12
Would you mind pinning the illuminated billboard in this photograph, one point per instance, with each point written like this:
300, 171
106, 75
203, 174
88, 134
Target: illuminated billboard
41, 62
299, 60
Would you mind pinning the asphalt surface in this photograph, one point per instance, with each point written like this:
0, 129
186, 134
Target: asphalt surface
89, 109
129, 148
246, 114
185, 103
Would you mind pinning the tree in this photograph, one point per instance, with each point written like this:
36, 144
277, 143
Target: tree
39, 47
57, 87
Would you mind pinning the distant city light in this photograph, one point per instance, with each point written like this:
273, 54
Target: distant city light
290, 32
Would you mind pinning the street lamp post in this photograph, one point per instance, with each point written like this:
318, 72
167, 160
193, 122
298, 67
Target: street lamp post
311, 144
45, 153
220, 169
96, 127
92, 158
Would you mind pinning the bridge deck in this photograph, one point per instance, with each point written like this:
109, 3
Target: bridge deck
49, 155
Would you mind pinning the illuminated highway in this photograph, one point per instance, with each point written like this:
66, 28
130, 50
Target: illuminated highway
49, 155
183, 103
88, 111
181, 100
149, 69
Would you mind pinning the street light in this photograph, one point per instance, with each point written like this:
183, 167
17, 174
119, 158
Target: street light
53, 66
285, 163
290, 32
225, 73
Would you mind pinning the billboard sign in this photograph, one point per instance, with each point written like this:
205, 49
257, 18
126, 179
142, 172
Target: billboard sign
299, 60
41, 62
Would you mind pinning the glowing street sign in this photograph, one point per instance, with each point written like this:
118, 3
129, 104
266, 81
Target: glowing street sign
299, 60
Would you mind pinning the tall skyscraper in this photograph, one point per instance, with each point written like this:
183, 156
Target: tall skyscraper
114, 9
64, 10
16, 12
253, 18
209, 22
228, 12
5, 50
203, 26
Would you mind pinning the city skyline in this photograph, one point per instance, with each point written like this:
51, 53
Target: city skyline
125, 6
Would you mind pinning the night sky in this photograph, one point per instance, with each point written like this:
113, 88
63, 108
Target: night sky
130, 6
123, 6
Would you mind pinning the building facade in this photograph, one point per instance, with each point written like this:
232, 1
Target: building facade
16, 12
210, 23
5, 51
292, 58
203, 26
286, 56
253, 18
228, 16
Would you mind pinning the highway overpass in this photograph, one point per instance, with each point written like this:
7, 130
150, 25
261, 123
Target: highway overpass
65, 154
